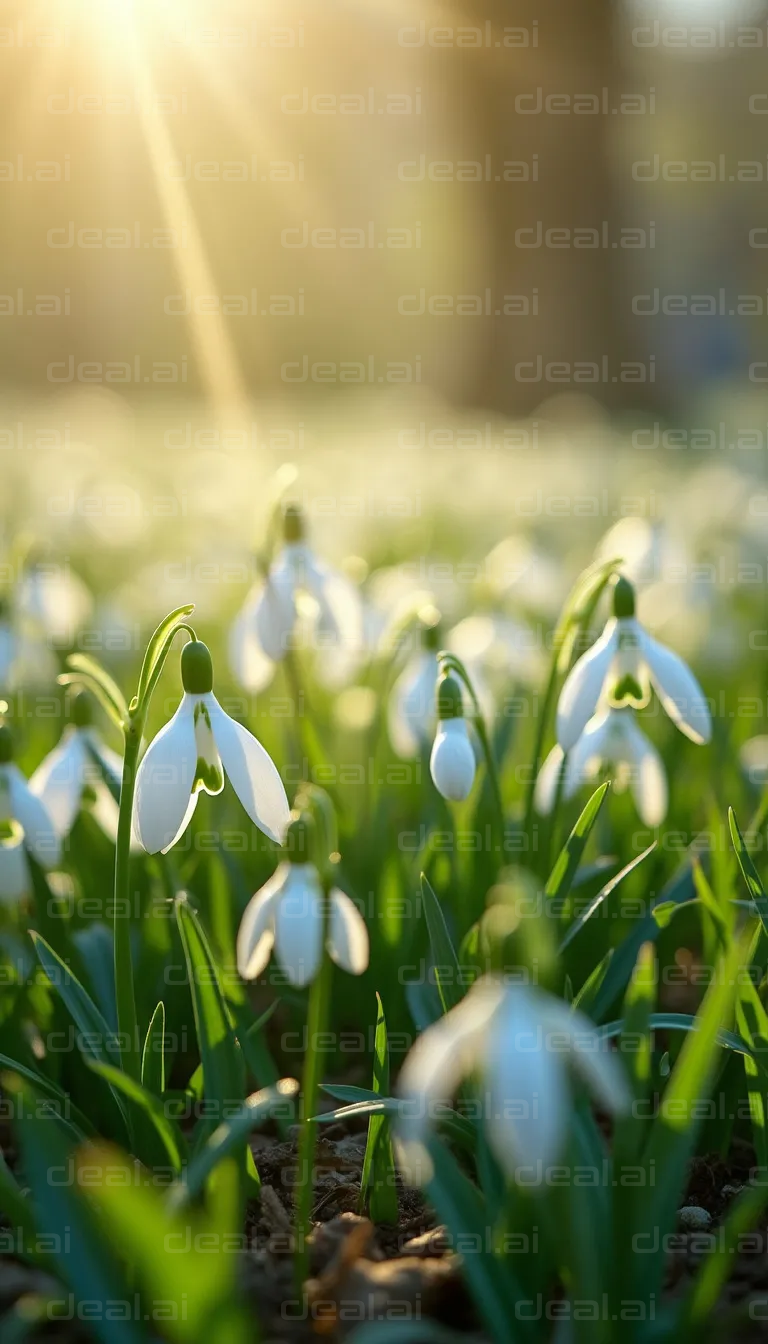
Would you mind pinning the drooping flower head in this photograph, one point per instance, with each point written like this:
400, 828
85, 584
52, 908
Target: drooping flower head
297, 585
523, 1043
622, 667
195, 750
611, 743
81, 770
452, 762
292, 914
25, 826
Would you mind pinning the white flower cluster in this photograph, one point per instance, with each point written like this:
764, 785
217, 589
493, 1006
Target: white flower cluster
596, 726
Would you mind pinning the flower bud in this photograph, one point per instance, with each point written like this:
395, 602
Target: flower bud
449, 699
82, 710
452, 762
196, 668
623, 599
429, 620
293, 524
6, 744
300, 838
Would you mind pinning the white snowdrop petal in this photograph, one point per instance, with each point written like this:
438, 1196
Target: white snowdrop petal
105, 810
590, 1056
411, 710
15, 878
40, 836
347, 934
110, 760
8, 652
546, 781
183, 824
648, 780
583, 685
251, 772
442, 1056
164, 781
299, 924
452, 761
251, 666
526, 1081
59, 781
678, 690
256, 935
210, 775
591, 751
340, 613
274, 613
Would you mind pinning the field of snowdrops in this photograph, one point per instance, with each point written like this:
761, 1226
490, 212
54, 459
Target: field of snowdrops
382, 879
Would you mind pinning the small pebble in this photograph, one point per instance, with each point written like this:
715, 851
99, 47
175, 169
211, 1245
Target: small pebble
729, 1190
694, 1218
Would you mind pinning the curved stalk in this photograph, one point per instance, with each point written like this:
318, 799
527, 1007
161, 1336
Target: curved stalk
445, 660
127, 1021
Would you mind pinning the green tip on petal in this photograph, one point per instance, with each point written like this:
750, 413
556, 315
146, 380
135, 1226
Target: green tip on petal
623, 599
293, 523
299, 838
6, 744
82, 710
450, 704
196, 668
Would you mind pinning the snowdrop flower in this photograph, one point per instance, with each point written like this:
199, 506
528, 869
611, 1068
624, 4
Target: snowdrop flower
612, 741
298, 585
623, 665
493, 645
75, 771
25, 657
55, 599
25, 827
452, 762
517, 568
520, 1040
649, 551
194, 751
289, 915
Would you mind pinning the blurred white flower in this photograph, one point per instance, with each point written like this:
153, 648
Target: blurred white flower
411, 709
26, 659
753, 758
452, 761
521, 1041
288, 914
611, 741
42, 609
25, 827
192, 752
516, 567
648, 552
495, 646
622, 666
299, 589
74, 772
55, 599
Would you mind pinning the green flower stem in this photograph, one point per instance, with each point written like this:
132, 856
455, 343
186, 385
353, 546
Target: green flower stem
449, 660
293, 681
317, 1019
127, 1021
